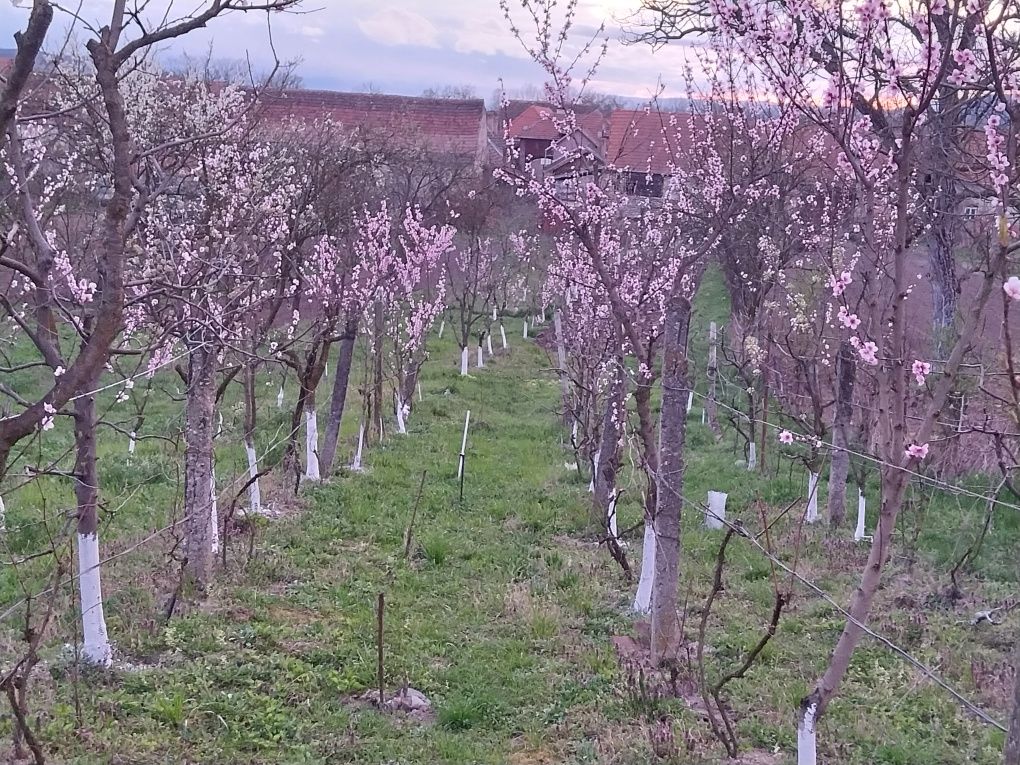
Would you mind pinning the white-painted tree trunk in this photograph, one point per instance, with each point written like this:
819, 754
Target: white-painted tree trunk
96, 642
811, 514
401, 425
494, 313
356, 463
702, 416
214, 515
752, 456
442, 326
806, 737
690, 401
611, 517
131, 442
311, 445
716, 516
325, 370
594, 472
481, 357
279, 399
859, 531
525, 328
419, 392
219, 426
3, 515
488, 343
463, 361
254, 491
502, 336
643, 597
543, 316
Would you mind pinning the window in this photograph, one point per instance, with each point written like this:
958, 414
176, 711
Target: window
970, 212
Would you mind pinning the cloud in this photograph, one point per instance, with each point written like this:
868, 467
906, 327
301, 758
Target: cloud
399, 27
313, 33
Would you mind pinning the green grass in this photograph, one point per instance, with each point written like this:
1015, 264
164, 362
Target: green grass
502, 616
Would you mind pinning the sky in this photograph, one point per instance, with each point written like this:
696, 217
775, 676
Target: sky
404, 46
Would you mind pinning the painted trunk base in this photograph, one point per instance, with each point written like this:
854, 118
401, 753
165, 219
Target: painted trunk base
806, 745
811, 514
356, 463
254, 491
131, 442
611, 519
488, 344
643, 598
525, 329
715, 518
311, 445
752, 456
214, 515
279, 399
690, 401
401, 424
502, 336
3, 515
463, 362
96, 645
859, 534
481, 358
442, 326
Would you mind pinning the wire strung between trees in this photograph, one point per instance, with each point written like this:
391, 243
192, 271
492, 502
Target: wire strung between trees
934, 482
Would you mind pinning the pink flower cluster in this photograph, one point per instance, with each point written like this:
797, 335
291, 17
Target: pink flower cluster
839, 285
920, 370
916, 451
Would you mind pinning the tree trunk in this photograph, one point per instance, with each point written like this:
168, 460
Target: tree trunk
1011, 752
608, 457
561, 363
198, 464
672, 431
840, 465
894, 482
338, 398
96, 643
945, 287
713, 376
254, 490
312, 472
375, 404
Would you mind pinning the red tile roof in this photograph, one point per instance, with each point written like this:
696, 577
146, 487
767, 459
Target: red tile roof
537, 122
448, 125
650, 141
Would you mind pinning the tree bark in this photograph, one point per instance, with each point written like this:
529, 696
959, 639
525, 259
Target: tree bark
338, 398
840, 466
198, 464
561, 363
1011, 752
713, 376
672, 431
96, 643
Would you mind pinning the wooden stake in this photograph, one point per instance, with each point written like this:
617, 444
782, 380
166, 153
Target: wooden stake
463, 454
380, 607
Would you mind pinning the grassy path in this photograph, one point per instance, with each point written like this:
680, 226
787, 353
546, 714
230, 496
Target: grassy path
503, 618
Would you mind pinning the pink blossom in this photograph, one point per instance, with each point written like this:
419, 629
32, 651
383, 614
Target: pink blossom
847, 319
786, 437
916, 451
839, 285
868, 352
1012, 287
920, 370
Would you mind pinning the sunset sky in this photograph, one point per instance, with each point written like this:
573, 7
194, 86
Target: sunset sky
404, 46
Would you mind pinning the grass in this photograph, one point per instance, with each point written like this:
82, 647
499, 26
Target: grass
503, 615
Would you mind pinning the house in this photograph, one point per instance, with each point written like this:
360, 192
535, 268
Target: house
541, 133
455, 128
647, 146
